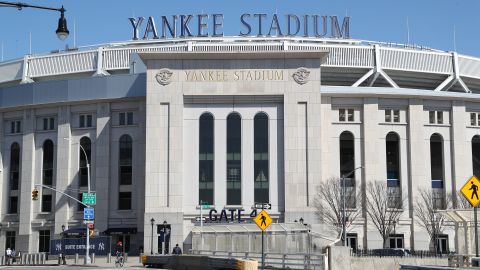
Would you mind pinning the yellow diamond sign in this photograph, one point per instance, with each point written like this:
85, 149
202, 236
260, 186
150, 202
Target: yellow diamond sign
263, 220
471, 190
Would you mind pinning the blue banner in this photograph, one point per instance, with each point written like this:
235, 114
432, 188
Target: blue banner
100, 245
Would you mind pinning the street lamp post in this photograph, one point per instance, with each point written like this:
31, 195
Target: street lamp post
63, 246
165, 243
152, 221
344, 222
87, 248
62, 31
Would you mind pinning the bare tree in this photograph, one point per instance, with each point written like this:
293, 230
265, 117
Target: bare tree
427, 214
383, 210
462, 202
329, 203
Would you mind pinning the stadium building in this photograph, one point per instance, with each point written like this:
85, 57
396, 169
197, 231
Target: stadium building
230, 121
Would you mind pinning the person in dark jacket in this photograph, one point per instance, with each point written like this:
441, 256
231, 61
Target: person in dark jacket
177, 250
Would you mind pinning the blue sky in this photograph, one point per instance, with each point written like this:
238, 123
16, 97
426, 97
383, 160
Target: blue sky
431, 22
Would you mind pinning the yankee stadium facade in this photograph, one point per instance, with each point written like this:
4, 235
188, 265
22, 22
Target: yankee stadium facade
169, 122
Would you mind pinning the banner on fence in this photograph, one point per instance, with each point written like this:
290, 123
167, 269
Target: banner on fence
71, 246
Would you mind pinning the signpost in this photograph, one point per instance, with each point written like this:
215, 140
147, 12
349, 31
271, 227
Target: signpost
89, 198
263, 220
88, 213
470, 191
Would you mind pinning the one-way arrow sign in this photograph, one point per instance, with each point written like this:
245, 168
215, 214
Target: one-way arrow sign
267, 206
198, 219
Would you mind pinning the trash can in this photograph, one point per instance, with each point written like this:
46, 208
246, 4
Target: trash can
475, 261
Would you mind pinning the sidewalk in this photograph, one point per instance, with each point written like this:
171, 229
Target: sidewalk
133, 261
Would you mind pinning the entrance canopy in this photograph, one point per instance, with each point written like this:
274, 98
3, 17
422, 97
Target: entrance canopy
463, 215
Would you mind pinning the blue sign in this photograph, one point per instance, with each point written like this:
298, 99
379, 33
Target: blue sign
88, 214
70, 246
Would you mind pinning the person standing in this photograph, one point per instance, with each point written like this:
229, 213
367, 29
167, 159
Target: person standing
8, 252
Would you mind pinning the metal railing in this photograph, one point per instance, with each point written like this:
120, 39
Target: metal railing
397, 253
274, 260
113, 57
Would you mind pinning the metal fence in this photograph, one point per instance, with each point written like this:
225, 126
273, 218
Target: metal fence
397, 253
275, 260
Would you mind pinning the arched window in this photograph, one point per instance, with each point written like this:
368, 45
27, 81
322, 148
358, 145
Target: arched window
47, 175
206, 159
436, 170
14, 177
85, 159
14, 166
125, 171
347, 166
476, 155
234, 159
260, 130
392, 149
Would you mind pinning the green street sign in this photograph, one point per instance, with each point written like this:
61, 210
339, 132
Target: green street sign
89, 198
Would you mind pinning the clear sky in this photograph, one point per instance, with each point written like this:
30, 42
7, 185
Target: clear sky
431, 22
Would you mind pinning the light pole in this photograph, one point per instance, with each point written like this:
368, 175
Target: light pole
152, 221
62, 31
166, 246
344, 222
63, 246
87, 248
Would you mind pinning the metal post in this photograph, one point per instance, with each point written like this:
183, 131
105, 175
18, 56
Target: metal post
263, 253
151, 243
476, 230
201, 214
344, 225
87, 249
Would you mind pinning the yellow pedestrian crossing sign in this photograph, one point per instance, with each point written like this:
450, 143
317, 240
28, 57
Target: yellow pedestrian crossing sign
263, 220
471, 191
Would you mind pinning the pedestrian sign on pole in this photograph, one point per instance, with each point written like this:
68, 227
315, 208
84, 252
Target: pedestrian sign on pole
263, 220
471, 190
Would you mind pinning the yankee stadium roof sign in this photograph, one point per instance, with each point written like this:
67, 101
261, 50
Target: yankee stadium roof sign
251, 24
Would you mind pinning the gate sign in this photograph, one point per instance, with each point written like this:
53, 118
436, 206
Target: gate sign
70, 246
470, 191
88, 214
263, 220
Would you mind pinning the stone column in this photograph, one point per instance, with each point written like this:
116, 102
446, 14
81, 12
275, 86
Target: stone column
418, 153
369, 155
302, 107
101, 180
62, 169
26, 205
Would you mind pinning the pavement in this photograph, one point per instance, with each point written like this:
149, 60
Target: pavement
100, 262
132, 261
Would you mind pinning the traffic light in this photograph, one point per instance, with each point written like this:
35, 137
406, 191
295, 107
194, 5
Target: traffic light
35, 194
91, 232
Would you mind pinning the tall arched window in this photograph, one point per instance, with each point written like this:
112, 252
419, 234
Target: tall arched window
206, 159
476, 155
125, 172
47, 175
347, 166
14, 177
86, 143
436, 170
392, 149
260, 130
234, 159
